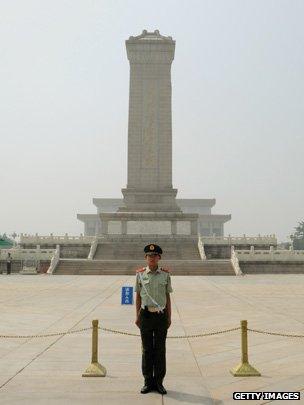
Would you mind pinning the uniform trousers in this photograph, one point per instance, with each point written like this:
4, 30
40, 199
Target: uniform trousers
153, 331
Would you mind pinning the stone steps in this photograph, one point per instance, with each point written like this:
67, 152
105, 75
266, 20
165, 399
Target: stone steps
128, 267
133, 250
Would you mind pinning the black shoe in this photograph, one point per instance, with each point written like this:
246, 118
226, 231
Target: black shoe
160, 388
146, 388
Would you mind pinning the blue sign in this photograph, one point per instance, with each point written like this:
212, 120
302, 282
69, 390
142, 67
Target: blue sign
127, 296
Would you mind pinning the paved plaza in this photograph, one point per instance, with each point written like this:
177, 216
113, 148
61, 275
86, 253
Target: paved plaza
48, 370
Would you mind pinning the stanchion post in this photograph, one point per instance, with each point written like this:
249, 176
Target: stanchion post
95, 369
244, 369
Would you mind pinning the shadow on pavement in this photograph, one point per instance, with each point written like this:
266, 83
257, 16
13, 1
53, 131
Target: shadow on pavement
192, 398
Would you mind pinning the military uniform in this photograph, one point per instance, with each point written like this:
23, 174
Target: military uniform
153, 319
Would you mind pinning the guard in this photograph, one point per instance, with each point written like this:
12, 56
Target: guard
8, 264
153, 317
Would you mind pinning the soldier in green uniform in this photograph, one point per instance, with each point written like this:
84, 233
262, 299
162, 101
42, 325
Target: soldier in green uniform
153, 317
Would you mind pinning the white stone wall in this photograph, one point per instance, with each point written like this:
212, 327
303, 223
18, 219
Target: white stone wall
149, 227
183, 227
114, 227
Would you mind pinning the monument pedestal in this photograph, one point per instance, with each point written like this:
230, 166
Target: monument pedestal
137, 200
148, 223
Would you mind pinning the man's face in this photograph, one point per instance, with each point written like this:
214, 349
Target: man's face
152, 259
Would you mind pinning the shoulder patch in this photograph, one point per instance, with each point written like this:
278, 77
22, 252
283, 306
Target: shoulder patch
140, 270
166, 270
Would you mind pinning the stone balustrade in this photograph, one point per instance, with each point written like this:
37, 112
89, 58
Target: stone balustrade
239, 240
55, 239
55, 260
93, 249
27, 254
201, 249
235, 262
270, 255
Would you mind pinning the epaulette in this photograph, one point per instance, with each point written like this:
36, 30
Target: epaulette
166, 270
140, 270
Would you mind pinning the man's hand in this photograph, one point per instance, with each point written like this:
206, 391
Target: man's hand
137, 322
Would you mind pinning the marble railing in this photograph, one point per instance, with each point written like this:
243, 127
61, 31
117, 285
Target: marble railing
54, 239
270, 255
235, 262
27, 254
239, 240
55, 260
201, 249
93, 249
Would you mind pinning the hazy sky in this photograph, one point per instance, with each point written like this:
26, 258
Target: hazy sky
238, 98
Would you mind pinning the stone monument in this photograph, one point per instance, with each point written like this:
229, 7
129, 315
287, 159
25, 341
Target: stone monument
149, 185
149, 205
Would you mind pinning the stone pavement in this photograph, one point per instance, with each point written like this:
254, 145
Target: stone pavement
48, 370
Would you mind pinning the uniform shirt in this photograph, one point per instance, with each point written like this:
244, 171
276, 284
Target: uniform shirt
157, 283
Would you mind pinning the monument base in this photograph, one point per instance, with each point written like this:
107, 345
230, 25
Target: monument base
148, 223
141, 200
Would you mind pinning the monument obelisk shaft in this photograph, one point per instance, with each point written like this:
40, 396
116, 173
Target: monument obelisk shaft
149, 186
149, 206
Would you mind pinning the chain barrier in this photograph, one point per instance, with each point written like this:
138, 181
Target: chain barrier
69, 332
172, 337
112, 331
136, 334
265, 332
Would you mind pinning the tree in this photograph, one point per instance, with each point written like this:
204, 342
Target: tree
298, 237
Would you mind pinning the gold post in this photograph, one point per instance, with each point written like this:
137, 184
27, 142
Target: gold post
95, 341
244, 342
244, 369
95, 369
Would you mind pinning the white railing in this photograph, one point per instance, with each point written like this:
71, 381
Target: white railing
201, 249
93, 249
18, 253
270, 255
235, 262
239, 240
55, 239
55, 260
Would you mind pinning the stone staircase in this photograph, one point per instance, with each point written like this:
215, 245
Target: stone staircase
173, 248
128, 267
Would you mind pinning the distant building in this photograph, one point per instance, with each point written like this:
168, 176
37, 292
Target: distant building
5, 242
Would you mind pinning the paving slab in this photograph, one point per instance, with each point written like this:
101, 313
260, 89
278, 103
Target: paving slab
48, 370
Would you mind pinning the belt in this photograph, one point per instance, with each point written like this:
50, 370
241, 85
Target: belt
153, 309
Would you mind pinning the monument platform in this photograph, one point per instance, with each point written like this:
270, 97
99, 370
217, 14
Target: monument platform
47, 371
